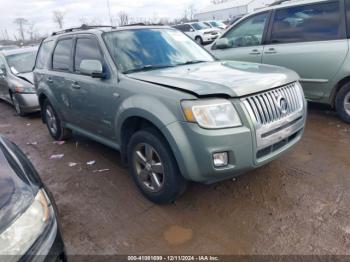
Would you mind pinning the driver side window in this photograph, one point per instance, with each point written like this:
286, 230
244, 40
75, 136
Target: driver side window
249, 32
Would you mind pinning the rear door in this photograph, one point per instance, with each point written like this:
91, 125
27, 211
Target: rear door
58, 83
311, 40
245, 40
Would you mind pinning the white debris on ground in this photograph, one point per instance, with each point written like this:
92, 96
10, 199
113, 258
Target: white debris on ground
101, 170
32, 143
58, 156
72, 164
91, 163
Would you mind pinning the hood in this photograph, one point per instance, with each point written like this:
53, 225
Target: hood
234, 79
28, 77
16, 194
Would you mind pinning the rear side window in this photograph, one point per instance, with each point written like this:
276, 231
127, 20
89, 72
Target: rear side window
44, 55
62, 54
347, 5
315, 22
86, 49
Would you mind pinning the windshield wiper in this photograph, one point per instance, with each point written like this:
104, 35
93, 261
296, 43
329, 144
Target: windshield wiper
146, 68
191, 62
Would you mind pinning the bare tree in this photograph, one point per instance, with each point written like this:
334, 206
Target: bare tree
31, 30
21, 23
123, 18
58, 18
191, 11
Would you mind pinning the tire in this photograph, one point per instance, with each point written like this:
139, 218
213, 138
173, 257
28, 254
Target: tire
17, 105
342, 103
163, 169
54, 123
199, 40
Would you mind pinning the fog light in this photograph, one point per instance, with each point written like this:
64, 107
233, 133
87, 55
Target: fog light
220, 159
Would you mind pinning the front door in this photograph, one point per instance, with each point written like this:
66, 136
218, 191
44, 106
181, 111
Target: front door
94, 100
245, 40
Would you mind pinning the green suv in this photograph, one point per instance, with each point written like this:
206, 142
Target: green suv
309, 37
173, 111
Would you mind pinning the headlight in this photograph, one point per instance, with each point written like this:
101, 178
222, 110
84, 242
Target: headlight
24, 89
23, 232
211, 114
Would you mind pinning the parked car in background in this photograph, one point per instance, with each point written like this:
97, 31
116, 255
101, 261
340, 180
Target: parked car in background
8, 47
216, 24
29, 229
173, 112
199, 31
16, 79
310, 37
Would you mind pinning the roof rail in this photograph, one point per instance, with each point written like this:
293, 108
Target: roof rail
81, 28
144, 24
278, 2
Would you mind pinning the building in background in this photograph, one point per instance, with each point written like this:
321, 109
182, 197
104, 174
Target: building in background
230, 9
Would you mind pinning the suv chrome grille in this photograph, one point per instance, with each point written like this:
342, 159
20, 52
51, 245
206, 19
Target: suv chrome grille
271, 106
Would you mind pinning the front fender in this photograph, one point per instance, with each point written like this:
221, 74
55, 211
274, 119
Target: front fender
148, 107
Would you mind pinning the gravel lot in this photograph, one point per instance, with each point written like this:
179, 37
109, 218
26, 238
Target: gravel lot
298, 204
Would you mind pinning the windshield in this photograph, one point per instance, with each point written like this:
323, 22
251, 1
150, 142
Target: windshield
217, 24
21, 63
200, 26
144, 49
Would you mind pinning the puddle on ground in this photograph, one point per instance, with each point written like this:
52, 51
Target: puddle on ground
176, 235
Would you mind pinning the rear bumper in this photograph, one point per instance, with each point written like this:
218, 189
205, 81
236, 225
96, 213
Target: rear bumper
29, 102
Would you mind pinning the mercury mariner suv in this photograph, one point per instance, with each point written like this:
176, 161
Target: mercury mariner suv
173, 111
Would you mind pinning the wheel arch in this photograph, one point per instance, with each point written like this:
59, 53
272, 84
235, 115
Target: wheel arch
336, 89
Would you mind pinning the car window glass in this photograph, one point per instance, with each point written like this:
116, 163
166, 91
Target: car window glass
86, 49
21, 62
62, 55
44, 55
249, 32
315, 22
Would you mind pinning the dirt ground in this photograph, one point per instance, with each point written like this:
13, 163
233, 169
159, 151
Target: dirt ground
298, 204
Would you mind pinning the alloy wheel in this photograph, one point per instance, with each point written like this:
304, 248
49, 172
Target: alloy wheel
51, 120
347, 103
149, 167
16, 105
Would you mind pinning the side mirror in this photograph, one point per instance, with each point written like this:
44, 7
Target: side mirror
191, 30
2, 73
92, 68
222, 43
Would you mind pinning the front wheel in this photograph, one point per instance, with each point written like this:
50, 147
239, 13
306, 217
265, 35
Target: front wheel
342, 103
154, 168
54, 123
199, 40
17, 105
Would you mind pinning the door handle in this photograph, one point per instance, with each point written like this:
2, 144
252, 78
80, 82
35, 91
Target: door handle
271, 50
75, 85
49, 80
255, 52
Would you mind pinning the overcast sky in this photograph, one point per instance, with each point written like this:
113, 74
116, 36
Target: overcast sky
40, 11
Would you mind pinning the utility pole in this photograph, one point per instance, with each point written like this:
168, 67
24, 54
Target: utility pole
109, 12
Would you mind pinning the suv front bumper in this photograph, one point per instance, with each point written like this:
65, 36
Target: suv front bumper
194, 147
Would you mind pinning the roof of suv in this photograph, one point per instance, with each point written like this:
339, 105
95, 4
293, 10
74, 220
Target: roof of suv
99, 29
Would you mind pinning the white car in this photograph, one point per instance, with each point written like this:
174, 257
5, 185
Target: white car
199, 31
216, 24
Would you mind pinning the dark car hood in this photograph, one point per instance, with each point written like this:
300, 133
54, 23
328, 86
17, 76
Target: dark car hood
28, 77
16, 194
234, 79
